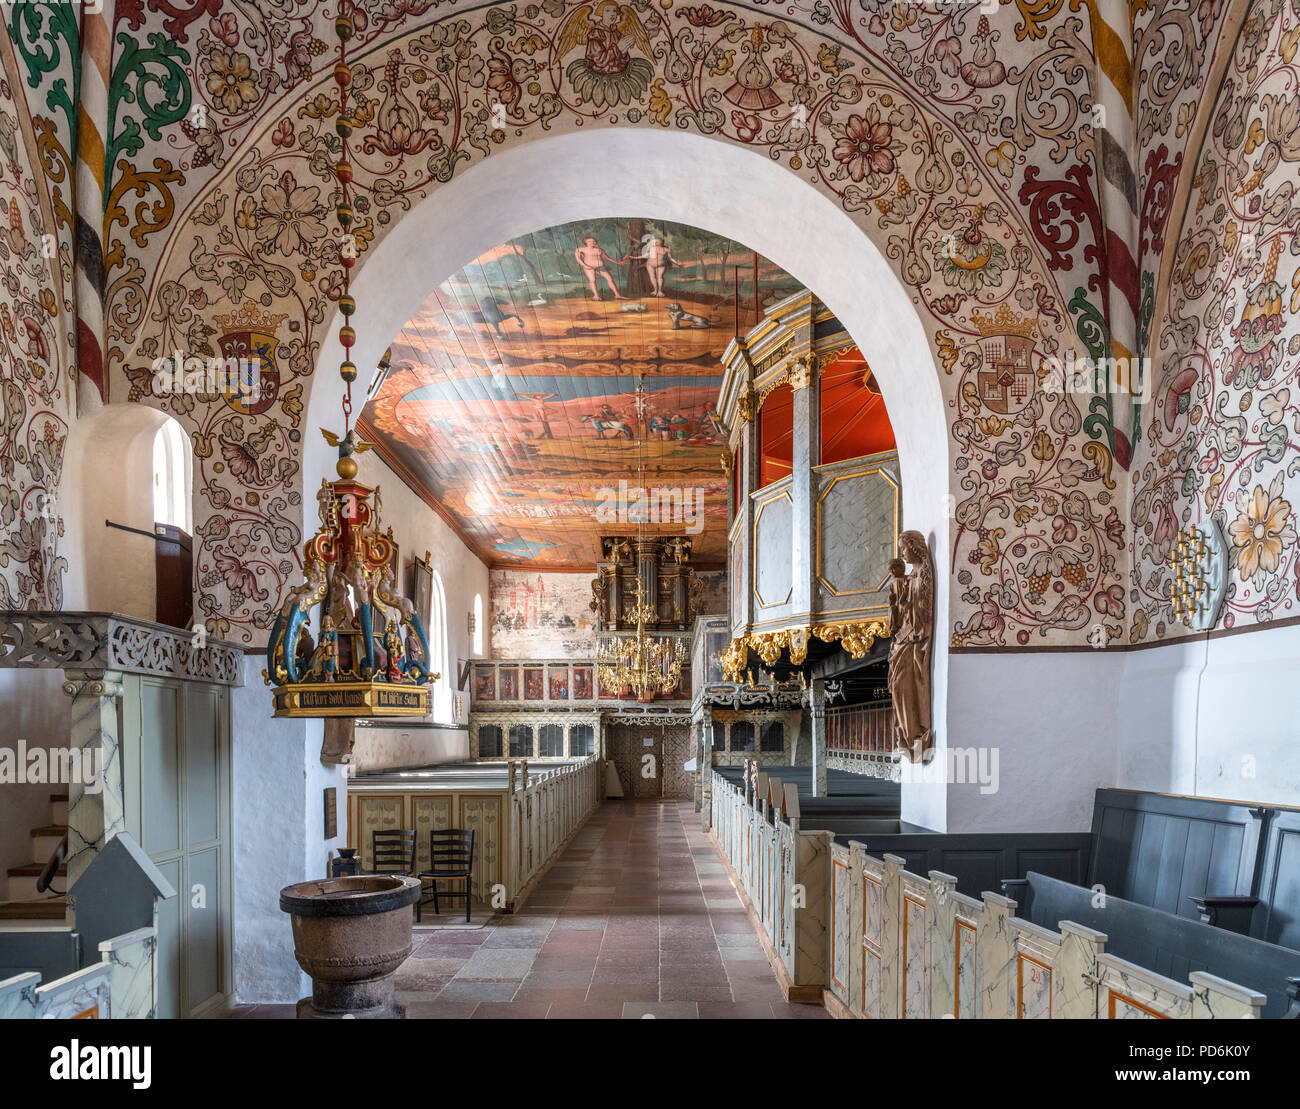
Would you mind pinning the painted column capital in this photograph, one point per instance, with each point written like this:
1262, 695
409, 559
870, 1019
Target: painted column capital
92, 683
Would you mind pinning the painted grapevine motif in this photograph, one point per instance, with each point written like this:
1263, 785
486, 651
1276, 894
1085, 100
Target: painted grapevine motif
220, 139
35, 305
1223, 434
1036, 551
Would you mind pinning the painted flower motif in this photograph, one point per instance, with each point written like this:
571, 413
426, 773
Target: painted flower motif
283, 134
1165, 530
971, 260
866, 147
1063, 530
1110, 602
225, 28
1273, 406
1002, 158
290, 217
1114, 527
1262, 529
246, 217
229, 79
747, 125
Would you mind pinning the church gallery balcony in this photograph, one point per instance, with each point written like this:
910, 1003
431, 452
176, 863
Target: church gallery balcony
815, 495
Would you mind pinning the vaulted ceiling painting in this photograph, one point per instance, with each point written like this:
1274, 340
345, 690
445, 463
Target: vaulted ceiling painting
555, 366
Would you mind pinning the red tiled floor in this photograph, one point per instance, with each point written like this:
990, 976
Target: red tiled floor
635, 918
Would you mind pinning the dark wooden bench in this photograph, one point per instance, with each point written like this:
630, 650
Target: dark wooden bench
1160, 941
1237, 863
982, 860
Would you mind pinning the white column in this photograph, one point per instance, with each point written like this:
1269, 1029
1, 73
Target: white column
94, 818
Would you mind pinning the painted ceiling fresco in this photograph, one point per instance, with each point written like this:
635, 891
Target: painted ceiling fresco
558, 365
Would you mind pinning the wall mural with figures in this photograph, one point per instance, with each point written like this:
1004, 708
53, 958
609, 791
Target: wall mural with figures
1222, 430
963, 142
535, 384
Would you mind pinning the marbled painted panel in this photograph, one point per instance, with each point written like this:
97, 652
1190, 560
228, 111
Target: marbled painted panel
1130, 992
1033, 988
966, 964
130, 958
840, 913
857, 529
914, 957
773, 565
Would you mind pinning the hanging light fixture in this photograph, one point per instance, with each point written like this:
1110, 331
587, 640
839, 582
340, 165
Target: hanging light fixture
646, 664
369, 654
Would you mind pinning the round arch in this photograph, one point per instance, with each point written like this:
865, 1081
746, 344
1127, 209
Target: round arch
730, 191
108, 476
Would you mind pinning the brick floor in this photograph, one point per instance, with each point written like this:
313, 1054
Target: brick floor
636, 919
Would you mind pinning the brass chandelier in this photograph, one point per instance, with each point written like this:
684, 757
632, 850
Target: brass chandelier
645, 664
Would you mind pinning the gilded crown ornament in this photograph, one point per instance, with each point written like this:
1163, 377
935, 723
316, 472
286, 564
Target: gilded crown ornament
369, 656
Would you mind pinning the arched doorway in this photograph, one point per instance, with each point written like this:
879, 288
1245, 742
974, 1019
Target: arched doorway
729, 191
128, 488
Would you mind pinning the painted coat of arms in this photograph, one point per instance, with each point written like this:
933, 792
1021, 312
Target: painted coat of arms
1006, 377
248, 345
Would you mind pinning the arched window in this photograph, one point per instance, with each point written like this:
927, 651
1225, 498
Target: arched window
478, 623
438, 653
171, 477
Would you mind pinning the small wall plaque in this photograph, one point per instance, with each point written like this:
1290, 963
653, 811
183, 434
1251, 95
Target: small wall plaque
331, 813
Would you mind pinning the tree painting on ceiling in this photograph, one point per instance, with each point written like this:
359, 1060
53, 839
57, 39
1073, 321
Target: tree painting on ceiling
555, 366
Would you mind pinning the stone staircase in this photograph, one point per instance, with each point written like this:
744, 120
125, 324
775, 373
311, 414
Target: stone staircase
23, 901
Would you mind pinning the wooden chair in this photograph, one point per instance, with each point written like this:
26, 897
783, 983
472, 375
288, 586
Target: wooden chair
392, 851
451, 855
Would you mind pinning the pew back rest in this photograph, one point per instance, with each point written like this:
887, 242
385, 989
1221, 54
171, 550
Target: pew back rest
1159, 941
1159, 850
982, 860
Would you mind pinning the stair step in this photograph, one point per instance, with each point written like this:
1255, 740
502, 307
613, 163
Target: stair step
51, 908
33, 870
59, 830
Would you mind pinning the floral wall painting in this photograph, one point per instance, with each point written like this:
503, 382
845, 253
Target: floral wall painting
1222, 435
37, 369
927, 135
963, 144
